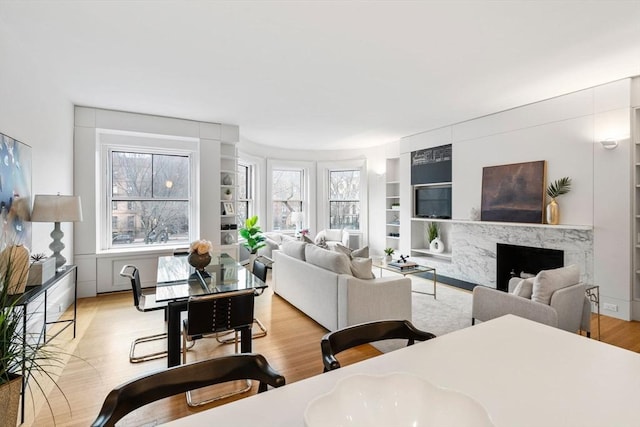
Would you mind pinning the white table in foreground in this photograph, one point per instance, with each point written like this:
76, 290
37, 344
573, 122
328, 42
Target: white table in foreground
522, 372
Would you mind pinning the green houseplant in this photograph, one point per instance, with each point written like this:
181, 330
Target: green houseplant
16, 353
252, 235
432, 231
388, 252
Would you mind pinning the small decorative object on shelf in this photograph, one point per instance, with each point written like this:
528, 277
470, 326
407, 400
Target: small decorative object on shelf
557, 188
200, 254
395, 206
14, 265
228, 194
226, 180
228, 239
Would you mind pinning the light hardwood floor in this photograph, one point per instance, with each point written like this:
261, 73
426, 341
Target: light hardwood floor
107, 325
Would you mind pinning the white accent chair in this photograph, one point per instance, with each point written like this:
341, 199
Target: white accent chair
332, 237
553, 297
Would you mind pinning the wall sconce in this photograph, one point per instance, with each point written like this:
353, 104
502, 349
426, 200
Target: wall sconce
609, 144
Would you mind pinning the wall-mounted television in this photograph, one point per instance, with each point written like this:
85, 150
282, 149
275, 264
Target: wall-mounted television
432, 201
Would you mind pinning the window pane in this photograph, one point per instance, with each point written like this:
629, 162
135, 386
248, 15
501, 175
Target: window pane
344, 185
282, 214
243, 184
287, 185
170, 176
151, 222
243, 208
131, 174
345, 215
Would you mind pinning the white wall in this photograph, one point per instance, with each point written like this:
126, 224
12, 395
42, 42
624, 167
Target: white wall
565, 131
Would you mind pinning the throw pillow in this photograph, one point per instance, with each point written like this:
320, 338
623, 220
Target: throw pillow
294, 249
361, 268
352, 253
548, 281
524, 289
329, 260
307, 240
322, 243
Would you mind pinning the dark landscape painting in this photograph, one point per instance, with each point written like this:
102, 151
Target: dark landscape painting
15, 192
513, 193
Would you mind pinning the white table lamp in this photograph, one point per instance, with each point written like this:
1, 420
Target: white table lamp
56, 209
297, 218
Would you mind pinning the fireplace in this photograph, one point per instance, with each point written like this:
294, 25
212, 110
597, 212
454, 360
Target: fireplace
513, 260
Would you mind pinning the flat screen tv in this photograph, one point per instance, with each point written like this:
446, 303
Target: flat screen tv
432, 202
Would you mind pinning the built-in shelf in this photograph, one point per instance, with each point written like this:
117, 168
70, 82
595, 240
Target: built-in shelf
393, 224
424, 251
393, 237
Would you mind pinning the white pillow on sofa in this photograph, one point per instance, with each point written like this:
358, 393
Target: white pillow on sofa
329, 260
352, 253
548, 281
294, 249
524, 288
361, 268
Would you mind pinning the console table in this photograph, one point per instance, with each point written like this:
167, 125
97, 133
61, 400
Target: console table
30, 295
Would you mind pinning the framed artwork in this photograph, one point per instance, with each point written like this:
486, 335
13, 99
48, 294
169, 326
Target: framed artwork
513, 193
15, 192
228, 208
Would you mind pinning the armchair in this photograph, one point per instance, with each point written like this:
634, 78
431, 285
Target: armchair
554, 297
332, 236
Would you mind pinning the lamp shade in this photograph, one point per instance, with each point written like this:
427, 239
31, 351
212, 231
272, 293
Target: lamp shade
56, 208
297, 217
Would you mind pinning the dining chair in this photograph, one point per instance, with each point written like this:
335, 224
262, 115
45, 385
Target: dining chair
260, 271
149, 388
364, 333
212, 314
144, 302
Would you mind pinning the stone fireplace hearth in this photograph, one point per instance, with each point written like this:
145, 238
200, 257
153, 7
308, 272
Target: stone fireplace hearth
474, 248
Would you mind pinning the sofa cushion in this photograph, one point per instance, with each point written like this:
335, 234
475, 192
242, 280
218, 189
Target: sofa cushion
294, 249
329, 260
548, 281
352, 253
524, 288
361, 268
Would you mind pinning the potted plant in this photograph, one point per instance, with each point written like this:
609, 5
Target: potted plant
388, 252
228, 194
556, 188
253, 238
19, 356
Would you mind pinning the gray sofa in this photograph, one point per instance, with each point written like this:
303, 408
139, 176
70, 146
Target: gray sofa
553, 297
322, 285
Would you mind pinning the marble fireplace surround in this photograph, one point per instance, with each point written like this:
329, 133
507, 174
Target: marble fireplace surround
473, 247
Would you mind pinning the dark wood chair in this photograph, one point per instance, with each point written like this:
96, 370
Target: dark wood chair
364, 333
144, 302
146, 389
211, 314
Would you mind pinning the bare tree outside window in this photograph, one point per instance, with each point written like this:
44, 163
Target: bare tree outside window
150, 191
287, 197
244, 193
344, 199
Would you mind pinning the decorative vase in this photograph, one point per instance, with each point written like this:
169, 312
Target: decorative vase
228, 239
226, 180
436, 245
553, 212
387, 258
228, 196
252, 258
16, 259
10, 401
197, 261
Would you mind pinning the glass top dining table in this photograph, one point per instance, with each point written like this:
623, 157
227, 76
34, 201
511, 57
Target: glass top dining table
178, 280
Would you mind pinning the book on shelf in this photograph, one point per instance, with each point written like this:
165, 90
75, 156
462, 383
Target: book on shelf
403, 265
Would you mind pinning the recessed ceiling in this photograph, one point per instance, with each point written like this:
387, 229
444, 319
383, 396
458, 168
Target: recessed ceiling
325, 74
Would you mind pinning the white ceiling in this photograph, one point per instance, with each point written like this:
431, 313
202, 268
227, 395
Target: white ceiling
325, 74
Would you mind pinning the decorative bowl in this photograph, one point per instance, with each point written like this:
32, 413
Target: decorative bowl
396, 399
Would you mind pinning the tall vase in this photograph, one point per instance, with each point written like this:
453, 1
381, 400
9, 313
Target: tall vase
14, 266
553, 212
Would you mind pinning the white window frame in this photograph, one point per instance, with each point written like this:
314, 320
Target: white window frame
109, 141
309, 182
251, 187
324, 215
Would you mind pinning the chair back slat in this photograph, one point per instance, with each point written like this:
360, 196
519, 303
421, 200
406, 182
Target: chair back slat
179, 379
132, 273
220, 312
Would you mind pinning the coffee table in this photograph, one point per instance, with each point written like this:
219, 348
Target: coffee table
414, 270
